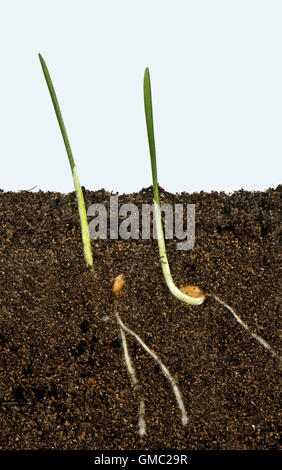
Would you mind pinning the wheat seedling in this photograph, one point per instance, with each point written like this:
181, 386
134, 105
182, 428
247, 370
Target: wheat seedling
184, 297
79, 195
189, 294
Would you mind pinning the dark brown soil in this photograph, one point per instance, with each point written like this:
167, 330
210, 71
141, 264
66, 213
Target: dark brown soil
64, 384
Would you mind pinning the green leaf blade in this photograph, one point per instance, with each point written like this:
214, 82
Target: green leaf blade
150, 131
57, 110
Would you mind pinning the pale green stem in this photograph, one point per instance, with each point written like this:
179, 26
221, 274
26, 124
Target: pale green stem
165, 265
83, 221
157, 212
79, 195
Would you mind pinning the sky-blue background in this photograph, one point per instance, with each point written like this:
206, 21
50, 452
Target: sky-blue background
216, 72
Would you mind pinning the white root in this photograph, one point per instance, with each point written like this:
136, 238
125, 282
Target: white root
142, 422
246, 328
131, 371
127, 359
163, 368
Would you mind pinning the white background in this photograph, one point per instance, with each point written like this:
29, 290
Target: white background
216, 78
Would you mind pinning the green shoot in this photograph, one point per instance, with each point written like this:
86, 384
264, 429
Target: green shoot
79, 195
157, 210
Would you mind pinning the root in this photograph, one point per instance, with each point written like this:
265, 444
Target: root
131, 371
260, 340
163, 368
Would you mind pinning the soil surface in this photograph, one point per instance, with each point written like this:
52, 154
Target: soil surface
63, 380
